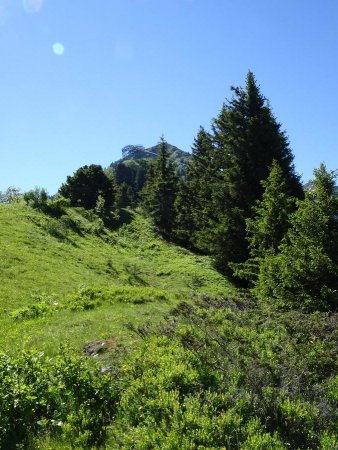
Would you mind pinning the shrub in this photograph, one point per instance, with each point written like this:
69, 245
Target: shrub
42, 305
90, 298
36, 198
62, 397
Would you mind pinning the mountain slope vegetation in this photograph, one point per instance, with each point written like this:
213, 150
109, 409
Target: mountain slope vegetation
181, 359
114, 336
45, 260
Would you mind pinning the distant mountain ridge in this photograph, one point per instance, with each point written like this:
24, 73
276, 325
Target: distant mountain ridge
139, 152
309, 186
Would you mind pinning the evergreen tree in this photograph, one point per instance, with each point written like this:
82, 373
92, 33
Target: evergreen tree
305, 272
246, 138
133, 174
193, 204
184, 224
124, 195
86, 185
160, 190
268, 225
125, 173
270, 220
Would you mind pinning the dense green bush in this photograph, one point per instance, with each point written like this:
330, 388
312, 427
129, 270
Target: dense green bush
304, 273
36, 198
63, 397
223, 373
87, 185
41, 306
226, 374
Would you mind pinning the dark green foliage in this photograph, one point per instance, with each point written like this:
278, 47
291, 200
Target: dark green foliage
227, 169
125, 173
270, 219
268, 225
160, 190
36, 198
124, 195
61, 398
199, 189
135, 167
184, 224
224, 374
86, 185
130, 177
194, 206
247, 139
305, 272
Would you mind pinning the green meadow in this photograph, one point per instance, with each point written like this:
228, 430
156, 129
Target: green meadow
70, 279
114, 338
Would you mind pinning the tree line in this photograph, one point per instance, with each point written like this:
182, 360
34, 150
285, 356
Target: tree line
241, 201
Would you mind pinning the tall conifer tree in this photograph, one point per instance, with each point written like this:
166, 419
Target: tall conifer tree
305, 272
245, 139
194, 209
268, 225
161, 189
271, 215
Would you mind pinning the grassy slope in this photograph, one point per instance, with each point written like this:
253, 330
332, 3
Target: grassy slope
43, 255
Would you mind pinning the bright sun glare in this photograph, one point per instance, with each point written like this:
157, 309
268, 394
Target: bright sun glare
58, 49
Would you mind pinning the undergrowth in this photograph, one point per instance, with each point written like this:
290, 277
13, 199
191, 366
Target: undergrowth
220, 373
203, 366
87, 298
227, 374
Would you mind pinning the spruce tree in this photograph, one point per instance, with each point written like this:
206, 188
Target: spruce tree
304, 273
270, 220
245, 140
160, 190
184, 224
199, 191
248, 138
268, 224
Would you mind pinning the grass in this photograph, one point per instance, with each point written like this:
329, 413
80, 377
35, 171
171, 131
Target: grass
43, 257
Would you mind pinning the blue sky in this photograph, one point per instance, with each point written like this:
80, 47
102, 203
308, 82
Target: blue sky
80, 79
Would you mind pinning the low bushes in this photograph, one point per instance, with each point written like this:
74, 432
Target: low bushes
222, 373
61, 397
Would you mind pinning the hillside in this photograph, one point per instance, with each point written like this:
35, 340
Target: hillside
45, 261
120, 339
114, 337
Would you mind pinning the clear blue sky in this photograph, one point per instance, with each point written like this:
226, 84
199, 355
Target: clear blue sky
80, 79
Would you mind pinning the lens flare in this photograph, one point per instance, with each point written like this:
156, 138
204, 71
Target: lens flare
32, 6
58, 49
